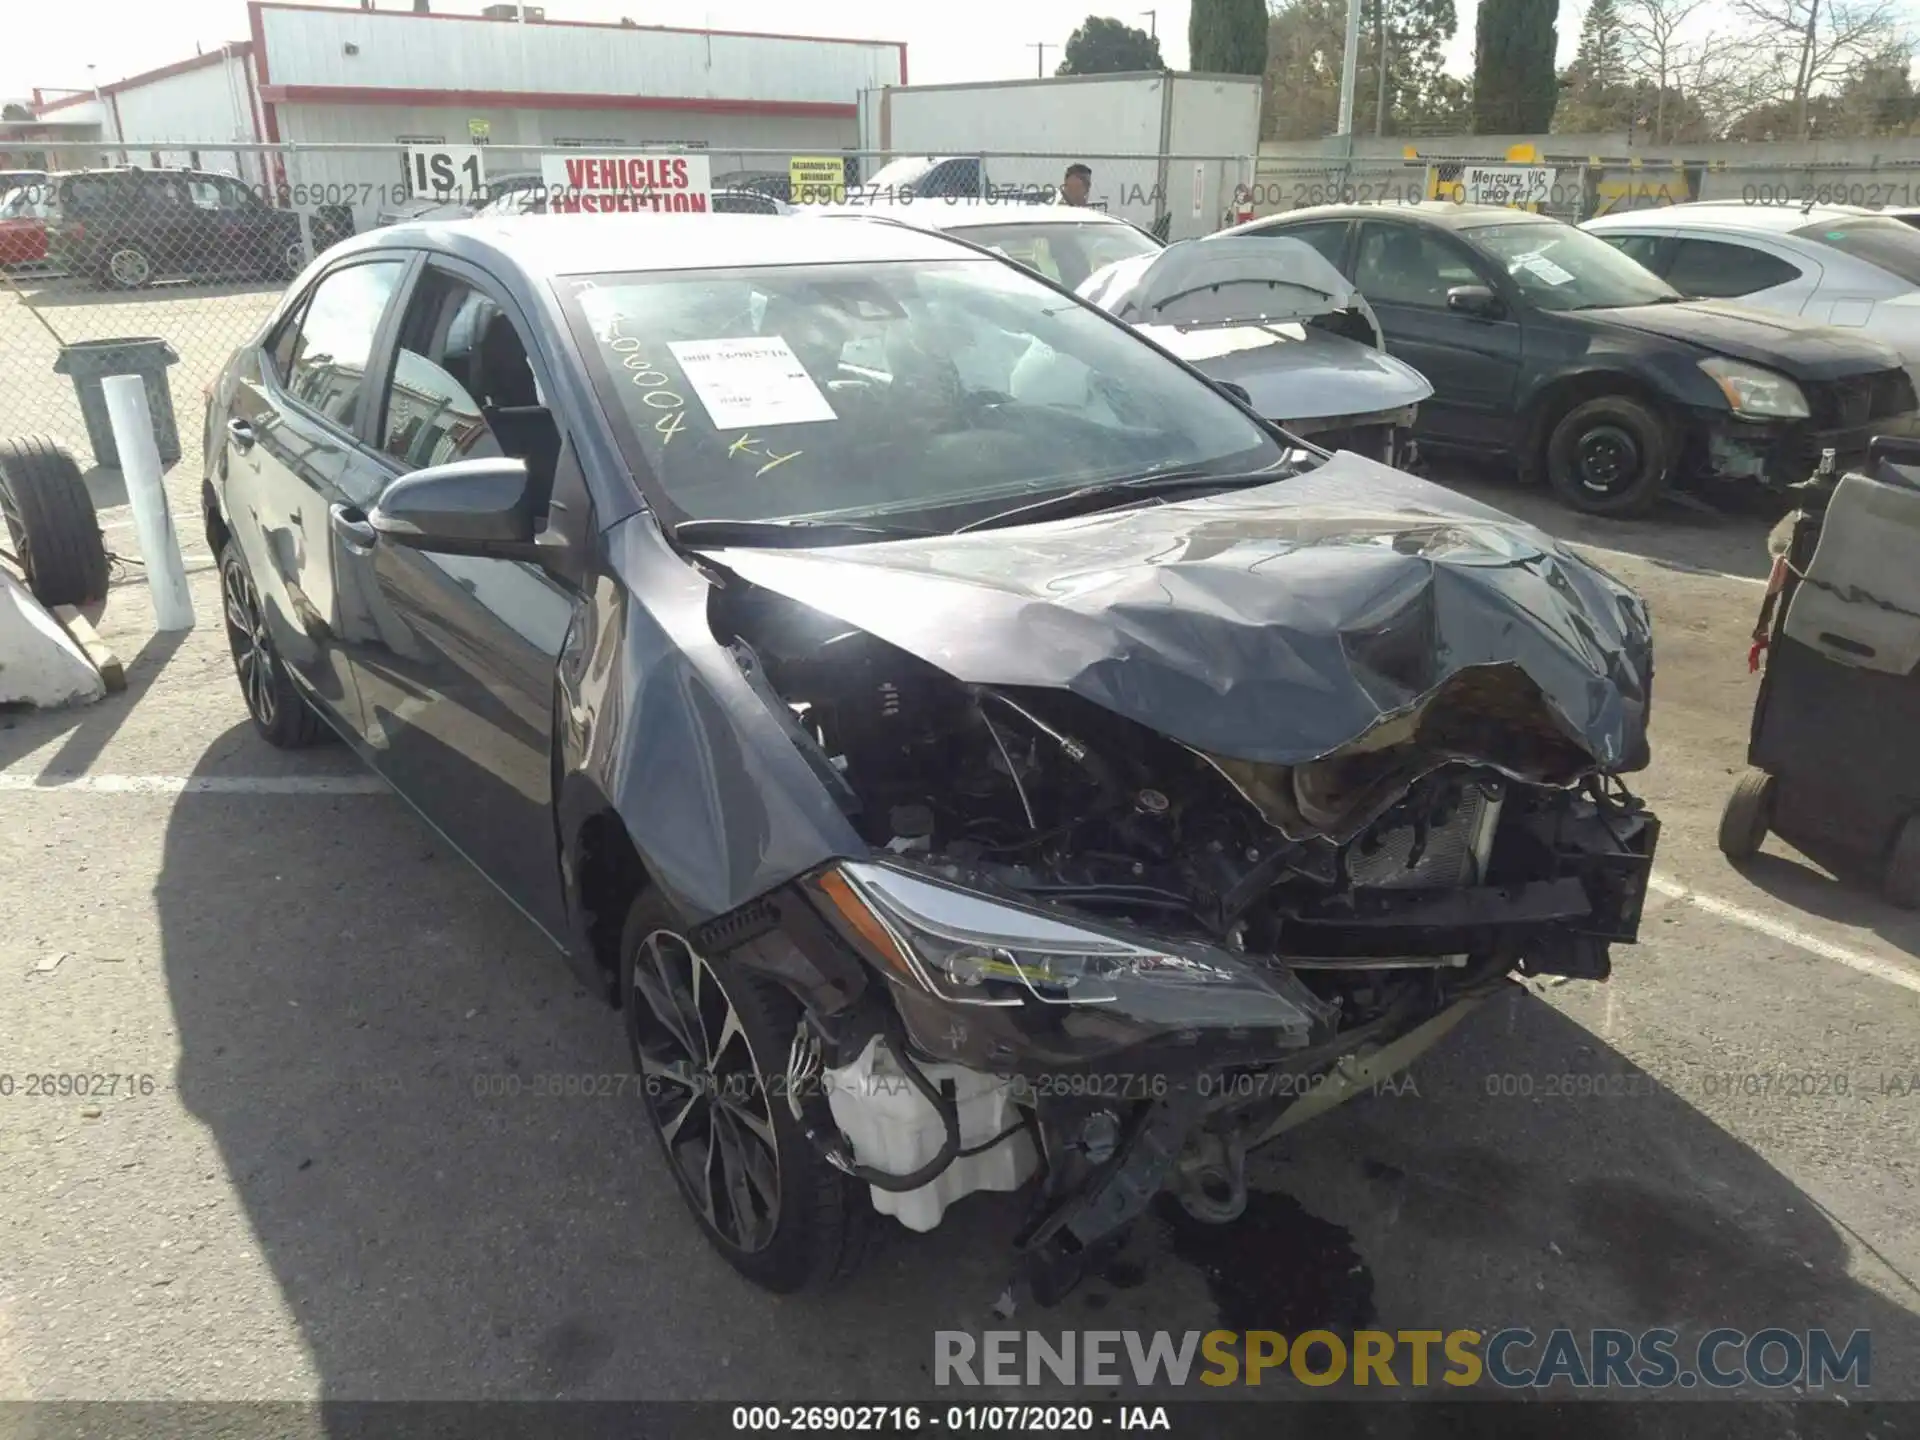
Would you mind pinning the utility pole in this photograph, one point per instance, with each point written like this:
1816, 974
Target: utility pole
1380, 62
1348, 63
1040, 59
1153, 23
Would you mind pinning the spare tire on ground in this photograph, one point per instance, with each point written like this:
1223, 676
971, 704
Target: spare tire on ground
51, 522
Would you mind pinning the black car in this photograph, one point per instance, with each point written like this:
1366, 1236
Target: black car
952, 790
1548, 345
126, 228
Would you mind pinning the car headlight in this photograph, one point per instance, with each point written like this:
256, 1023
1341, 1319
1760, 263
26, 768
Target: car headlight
1755, 392
967, 948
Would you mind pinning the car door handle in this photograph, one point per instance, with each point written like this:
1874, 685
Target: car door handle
241, 433
352, 528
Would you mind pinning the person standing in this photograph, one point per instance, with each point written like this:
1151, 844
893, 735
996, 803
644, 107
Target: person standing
1074, 189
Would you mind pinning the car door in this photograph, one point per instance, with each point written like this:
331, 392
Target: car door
455, 663
1743, 268
162, 220
296, 457
1405, 271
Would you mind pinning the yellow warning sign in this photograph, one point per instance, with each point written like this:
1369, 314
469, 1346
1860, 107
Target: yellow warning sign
817, 179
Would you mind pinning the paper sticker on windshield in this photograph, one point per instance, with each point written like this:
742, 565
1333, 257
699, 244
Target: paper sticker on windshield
755, 380
1545, 269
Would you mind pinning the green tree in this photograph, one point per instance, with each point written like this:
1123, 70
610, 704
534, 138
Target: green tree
1877, 98
16, 111
1515, 88
1303, 69
1595, 94
1228, 37
1103, 46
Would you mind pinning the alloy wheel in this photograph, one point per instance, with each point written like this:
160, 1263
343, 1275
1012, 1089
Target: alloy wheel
130, 267
703, 1086
252, 646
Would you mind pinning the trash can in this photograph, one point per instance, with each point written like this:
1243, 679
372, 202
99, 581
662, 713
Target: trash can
90, 361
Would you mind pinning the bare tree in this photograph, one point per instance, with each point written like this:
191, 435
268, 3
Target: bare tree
1815, 43
1655, 53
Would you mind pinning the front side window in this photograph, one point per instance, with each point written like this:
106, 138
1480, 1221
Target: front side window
1560, 268
1641, 249
1329, 237
432, 414
900, 388
325, 368
1407, 265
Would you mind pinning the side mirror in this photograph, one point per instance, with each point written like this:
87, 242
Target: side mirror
1475, 300
470, 507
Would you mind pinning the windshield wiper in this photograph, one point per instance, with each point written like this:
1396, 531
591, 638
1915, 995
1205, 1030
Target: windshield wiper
1092, 497
789, 532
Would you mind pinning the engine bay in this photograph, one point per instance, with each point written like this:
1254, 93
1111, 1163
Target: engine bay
1477, 835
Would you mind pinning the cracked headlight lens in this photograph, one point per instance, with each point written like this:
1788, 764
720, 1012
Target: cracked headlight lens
1757, 393
973, 949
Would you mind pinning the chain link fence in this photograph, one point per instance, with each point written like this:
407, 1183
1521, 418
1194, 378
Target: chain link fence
164, 268
1577, 187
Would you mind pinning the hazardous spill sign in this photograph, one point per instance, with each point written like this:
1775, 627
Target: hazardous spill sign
586, 183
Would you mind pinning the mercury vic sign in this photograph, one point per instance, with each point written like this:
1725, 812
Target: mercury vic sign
581, 181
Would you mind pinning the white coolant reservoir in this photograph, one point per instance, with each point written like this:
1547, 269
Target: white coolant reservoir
893, 1127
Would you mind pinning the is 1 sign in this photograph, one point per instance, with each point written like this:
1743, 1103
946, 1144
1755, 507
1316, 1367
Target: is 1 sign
446, 172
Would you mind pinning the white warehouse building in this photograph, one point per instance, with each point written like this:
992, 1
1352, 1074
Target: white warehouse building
313, 75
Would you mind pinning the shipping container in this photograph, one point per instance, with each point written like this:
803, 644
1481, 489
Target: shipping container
1189, 141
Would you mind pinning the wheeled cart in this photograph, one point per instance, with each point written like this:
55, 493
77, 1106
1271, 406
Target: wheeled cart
1834, 752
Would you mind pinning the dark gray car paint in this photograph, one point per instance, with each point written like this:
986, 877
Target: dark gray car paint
1266, 625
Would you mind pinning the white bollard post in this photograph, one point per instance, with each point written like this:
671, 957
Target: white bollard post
152, 518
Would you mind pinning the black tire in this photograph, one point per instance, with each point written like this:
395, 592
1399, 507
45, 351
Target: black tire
1748, 816
814, 1231
1900, 881
51, 522
126, 266
277, 708
1611, 455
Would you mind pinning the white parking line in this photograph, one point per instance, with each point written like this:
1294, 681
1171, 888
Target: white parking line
1787, 934
1871, 965
194, 784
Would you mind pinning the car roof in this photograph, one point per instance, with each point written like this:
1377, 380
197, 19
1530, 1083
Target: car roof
551, 245
1445, 214
1732, 215
935, 212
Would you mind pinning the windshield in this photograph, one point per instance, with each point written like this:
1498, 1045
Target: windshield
1066, 253
1560, 268
900, 389
1892, 246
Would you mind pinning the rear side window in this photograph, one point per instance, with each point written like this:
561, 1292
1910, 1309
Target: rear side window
86, 194
325, 367
1722, 271
1877, 240
1329, 237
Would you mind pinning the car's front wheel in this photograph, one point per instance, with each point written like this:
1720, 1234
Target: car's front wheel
280, 712
1610, 455
710, 1042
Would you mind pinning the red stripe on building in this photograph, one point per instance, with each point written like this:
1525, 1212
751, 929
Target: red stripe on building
541, 100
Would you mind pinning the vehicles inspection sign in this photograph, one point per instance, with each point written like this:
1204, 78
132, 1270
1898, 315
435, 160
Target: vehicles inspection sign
583, 182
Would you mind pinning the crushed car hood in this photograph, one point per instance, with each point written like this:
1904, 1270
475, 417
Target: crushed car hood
1292, 373
1274, 625
1797, 347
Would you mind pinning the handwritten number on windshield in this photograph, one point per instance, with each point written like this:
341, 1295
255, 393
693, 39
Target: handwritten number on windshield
653, 384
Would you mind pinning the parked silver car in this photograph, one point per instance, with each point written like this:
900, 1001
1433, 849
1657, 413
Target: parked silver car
1837, 264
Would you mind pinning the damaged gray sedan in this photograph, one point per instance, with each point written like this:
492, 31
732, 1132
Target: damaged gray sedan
953, 788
